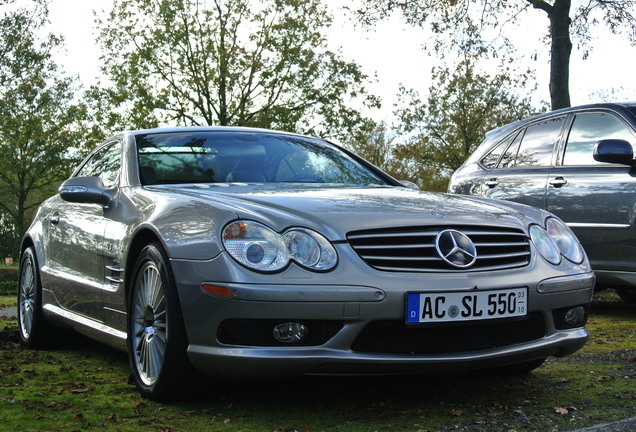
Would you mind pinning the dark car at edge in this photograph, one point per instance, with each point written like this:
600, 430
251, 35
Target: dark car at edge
577, 163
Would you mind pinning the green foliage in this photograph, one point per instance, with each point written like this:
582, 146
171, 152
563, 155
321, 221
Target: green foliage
8, 273
463, 103
39, 126
8, 288
8, 280
191, 62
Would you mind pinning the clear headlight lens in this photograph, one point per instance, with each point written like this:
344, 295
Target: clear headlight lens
260, 248
565, 240
255, 246
310, 249
545, 245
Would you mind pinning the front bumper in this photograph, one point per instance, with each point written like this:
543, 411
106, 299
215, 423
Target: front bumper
270, 362
295, 295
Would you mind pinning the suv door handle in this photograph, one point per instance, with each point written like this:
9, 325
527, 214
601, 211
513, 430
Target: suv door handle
558, 182
55, 219
492, 182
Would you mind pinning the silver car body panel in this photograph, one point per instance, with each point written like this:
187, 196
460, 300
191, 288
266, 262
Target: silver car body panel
86, 257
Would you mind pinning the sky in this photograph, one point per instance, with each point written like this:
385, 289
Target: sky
393, 52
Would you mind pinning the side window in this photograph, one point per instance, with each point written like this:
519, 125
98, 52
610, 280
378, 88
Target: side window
538, 143
587, 130
104, 163
508, 159
490, 160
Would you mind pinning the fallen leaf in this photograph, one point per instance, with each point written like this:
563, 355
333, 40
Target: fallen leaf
562, 411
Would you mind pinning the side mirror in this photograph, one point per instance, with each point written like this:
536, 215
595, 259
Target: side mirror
87, 190
614, 151
409, 184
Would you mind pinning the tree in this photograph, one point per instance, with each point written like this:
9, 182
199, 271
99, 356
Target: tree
380, 147
38, 118
463, 103
192, 62
565, 20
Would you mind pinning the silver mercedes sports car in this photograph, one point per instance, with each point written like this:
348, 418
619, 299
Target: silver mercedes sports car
246, 253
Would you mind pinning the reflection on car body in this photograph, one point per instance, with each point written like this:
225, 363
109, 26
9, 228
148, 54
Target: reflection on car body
252, 253
577, 163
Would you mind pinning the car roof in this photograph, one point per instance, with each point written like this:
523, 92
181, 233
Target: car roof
209, 129
615, 106
496, 135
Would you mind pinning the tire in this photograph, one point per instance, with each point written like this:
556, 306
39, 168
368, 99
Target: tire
626, 294
157, 341
33, 330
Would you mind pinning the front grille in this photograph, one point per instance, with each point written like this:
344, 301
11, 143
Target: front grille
413, 249
393, 337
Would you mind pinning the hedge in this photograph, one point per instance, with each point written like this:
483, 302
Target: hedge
8, 273
8, 280
8, 288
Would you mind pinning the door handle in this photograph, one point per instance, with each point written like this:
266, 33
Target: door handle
558, 182
492, 183
55, 219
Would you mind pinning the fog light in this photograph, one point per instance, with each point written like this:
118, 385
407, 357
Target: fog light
289, 333
574, 316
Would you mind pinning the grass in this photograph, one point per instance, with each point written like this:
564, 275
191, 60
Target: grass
85, 387
8, 301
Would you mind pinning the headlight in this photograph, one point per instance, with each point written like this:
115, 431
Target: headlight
255, 246
260, 248
565, 240
310, 249
545, 245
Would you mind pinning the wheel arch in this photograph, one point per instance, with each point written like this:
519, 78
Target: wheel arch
141, 239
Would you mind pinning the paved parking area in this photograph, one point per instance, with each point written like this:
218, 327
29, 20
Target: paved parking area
9, 312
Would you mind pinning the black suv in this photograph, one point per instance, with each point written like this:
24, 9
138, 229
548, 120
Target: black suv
577, 163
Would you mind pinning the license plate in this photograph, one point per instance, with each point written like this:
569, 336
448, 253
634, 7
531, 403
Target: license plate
466, 306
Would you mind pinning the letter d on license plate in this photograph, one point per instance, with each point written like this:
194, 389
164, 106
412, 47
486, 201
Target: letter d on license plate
466, 306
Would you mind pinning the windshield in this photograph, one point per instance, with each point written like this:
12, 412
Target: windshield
228, 157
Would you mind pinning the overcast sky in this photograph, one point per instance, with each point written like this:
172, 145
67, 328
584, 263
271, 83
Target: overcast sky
392, 51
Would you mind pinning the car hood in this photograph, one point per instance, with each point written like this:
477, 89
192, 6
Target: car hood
335, 211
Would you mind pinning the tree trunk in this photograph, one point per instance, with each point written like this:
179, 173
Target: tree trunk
561, 48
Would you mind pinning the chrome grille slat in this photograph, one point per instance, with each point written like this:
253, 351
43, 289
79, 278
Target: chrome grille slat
502, 255
413, 249
407, 246
395, 258
501, 244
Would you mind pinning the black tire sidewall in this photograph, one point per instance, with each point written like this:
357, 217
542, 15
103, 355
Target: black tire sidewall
172, 379
37, 336
628, 295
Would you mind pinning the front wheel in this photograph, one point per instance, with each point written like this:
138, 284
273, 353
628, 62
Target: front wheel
157, 340
34, 331
627, 294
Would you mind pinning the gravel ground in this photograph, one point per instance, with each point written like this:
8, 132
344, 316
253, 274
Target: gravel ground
9, 312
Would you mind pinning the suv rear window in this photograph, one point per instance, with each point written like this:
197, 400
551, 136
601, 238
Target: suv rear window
538, 143
531, 146
587, 129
